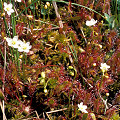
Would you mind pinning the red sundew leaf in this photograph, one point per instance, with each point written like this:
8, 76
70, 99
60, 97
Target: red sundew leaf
69, 7
110, 40
52, 102
110, 112
32, 89
1, 74
109, 81
112, 33
117, 98
96, 106
87, 98
19, 28
92, 72
91, 59
8, 92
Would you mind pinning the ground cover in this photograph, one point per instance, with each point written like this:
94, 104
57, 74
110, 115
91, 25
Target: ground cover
59, 60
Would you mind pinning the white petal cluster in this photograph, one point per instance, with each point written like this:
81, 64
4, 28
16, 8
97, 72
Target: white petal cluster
104, 67
15, 43
91, 22
18, 0
82, 107
8, 8
24, 47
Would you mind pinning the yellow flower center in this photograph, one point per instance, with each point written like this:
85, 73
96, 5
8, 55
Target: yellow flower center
13, 42
24, 47
81, 108
104, 69
8, 9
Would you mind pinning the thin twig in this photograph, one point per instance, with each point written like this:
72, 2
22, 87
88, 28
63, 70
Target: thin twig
57, 14
87, 82
2, 109
43, 115
105, 102
57, 110
22, 118
3, 86
48, 116
83, 35
37, 115
54, 112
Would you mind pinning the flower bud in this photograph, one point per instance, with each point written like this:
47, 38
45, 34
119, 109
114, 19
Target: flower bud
42, 81
94, 64
45, 6
96, 33
26, 110
30, 17
72, 73
3, 14
100, 45
81, 50
45, 90
107, 94
48, 4
43, 74
70, 67
20, 56
93, 116
106, 76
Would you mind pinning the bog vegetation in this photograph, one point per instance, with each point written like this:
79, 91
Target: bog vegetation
59, 60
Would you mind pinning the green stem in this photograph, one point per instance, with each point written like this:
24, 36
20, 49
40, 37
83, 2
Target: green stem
33, 12
72, 53
18, 61
2, 54
101, 81
13, 22
74, 49
26, 8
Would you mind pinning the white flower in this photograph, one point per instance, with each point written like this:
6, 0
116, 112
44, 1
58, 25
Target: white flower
82, 107
13, 42
104, 67
91, 22
24, 47
18, 0
8, 8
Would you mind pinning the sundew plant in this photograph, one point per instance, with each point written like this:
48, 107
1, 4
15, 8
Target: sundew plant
59, 60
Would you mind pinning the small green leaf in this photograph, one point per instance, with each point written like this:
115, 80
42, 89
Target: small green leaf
84, 116
107, 17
